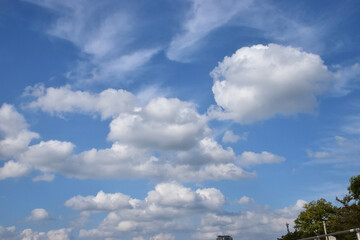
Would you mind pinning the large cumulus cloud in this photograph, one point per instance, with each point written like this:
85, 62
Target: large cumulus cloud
171, 207
170, 141
162, 124
168, 206
259, 82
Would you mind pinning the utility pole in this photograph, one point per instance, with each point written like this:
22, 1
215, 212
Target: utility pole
327, 238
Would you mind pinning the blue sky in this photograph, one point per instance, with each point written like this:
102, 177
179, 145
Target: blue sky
162, 120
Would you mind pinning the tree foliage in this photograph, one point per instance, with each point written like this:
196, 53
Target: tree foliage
347, 216
311, 219
354, 188
292, 236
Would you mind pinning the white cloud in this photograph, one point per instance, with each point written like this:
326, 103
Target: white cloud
11, 122
351, 126
171, 207
177, 196
83, 24
101, 30
260, 82
165, 195
340, 140
187, 173
108, 103
245, 200
341, 151
261, 223
265, 18
165, 140
44, 177
312, 154
230, 137
162, 124
128, 62
277, 25
59, 234
163, 236
291, 210
48, 156
38, 214
14, 133
124, 161
251, 158
8, 233
346, 79
12, 169
100, 202
204, 16
206, 151
166, 207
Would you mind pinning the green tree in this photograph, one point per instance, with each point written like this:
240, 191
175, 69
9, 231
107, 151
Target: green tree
310, 221
292, 236
348, 216
354, 188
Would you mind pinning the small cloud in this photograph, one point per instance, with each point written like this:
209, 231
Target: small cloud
38, 214
101, 202
346, 79
12, 169
245, 200
127, 63
312, 154
230, 137
340, 139
251, 158
45, 177
163, 236
108, 103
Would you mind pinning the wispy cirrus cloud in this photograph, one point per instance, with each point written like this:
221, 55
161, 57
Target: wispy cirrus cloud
340, 151
202, 18
103, 32
272, 24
